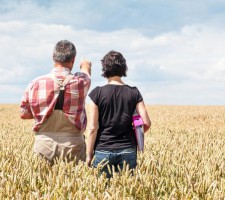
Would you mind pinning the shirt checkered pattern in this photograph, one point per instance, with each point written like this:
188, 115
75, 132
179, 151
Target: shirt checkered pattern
41, 96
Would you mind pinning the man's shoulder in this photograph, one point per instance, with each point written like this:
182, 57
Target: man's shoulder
82, 78
38, 79
42, 77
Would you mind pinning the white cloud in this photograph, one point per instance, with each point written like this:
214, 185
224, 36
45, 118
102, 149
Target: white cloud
169, 60
217, 72
193, 51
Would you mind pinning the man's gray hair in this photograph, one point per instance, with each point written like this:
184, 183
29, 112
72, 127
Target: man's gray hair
64, 51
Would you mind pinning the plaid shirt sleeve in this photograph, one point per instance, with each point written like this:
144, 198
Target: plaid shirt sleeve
25, 105
86, 81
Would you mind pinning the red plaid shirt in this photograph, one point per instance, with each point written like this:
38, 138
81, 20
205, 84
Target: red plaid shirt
41, 96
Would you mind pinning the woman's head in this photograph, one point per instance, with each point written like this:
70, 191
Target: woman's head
114, 64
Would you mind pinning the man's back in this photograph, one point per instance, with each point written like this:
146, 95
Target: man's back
56, 102
42, 94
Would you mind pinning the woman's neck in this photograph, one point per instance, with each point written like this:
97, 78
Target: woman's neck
115, 80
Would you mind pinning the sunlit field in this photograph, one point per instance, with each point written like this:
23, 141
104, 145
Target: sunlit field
184, 158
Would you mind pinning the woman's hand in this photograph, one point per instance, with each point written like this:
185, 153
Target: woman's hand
88, 160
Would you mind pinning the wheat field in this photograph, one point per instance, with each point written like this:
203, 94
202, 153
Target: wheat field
183, 159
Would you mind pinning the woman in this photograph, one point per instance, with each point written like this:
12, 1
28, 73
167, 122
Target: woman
111, 136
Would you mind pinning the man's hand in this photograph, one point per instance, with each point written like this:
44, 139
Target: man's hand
85, 67
26, 116
25, 112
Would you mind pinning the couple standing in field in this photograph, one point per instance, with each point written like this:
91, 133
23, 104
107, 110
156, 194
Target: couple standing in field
56, 102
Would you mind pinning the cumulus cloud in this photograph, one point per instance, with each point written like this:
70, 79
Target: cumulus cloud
193, 53
181, 61
217, 72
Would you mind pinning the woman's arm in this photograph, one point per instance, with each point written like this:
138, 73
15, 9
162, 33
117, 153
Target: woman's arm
92, 132
144, 115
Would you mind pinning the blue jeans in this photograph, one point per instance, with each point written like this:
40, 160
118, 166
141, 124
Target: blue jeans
116, 159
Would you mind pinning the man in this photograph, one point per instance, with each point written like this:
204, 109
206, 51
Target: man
56, 102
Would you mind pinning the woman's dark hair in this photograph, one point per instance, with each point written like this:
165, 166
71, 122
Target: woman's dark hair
114, 64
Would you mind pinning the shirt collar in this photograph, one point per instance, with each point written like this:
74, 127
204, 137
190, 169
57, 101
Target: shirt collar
61, 69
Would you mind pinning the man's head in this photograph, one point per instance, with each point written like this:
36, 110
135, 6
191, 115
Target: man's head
114, 64
64, 52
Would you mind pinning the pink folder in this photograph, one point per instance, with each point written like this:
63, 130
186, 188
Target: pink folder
139, 131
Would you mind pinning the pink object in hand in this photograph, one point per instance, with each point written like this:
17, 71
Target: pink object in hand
139, 131
137, 120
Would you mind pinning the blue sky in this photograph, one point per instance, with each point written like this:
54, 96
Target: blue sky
174, 49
